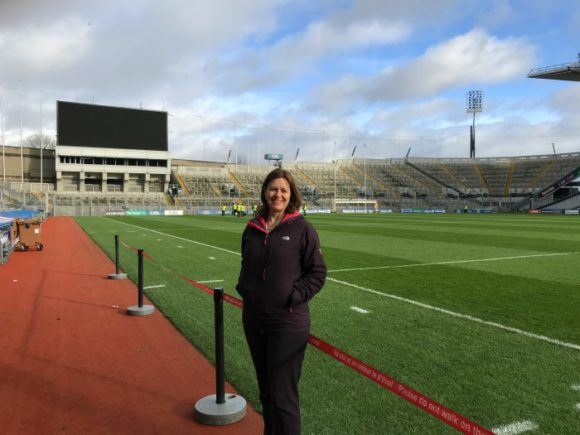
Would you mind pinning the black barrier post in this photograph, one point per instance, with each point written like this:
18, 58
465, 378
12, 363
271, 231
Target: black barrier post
117, 274
116, 254
217, 409
218, 299
140, 309
140, 278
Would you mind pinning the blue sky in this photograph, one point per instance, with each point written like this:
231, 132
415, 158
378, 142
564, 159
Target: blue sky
259, 76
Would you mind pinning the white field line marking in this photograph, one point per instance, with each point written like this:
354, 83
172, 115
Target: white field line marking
459, 315
450, 262
464, 316
179, 246
175, 237
210, 280
359, 310
154, 286
211, 258
576, 387
515, 428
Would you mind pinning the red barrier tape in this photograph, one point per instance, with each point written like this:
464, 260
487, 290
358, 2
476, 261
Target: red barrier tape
230, 299
444, 414
137, 250
434, 408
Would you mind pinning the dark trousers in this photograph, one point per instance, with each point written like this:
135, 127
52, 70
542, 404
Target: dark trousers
277, 358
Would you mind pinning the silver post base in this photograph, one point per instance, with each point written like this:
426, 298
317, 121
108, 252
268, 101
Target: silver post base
136, 310
118, 276
207, 411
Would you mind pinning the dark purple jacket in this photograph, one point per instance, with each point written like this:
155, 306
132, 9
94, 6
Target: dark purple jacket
281, 271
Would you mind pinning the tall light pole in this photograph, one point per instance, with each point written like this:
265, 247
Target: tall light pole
202, 135
265, 145
335, 166
2, 137
294, 144
235, 146
474, 100
365, 174
21, 143
235, 155
41, 143
352, 156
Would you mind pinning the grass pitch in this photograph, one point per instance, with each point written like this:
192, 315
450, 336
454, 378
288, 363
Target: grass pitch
480, 313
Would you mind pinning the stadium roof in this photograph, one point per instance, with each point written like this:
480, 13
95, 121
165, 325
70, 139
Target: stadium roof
565, 71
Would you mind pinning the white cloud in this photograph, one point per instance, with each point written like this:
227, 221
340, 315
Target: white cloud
322, 38
45, 47
393, 71
474, 57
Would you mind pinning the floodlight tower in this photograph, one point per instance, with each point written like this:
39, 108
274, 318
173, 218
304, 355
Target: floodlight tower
474, 101
2, 138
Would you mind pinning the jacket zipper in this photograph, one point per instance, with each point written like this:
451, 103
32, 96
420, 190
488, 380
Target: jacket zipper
264, 269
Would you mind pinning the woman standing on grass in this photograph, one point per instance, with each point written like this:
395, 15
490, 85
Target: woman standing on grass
282, 269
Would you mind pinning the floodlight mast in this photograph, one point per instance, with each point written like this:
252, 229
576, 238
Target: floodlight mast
474, 100
41, 144
2, 138
21, 142
365, 174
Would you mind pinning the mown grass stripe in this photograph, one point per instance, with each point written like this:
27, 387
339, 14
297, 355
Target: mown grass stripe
461, 316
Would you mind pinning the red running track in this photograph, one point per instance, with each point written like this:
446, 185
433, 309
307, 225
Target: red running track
72, 362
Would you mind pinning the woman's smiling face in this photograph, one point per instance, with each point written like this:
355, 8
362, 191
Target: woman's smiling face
278, 195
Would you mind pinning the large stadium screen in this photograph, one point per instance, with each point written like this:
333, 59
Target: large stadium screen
90, 125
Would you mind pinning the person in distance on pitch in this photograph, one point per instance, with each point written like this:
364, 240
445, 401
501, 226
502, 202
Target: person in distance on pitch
282, 269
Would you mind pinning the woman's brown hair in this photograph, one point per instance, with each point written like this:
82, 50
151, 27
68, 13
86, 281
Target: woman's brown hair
295, 197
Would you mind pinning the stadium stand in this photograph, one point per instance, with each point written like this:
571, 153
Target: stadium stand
397, 183
570, 203
566, 71
504, 184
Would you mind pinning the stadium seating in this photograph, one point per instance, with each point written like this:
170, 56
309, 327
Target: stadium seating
507, 184
419, 182
570, 203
